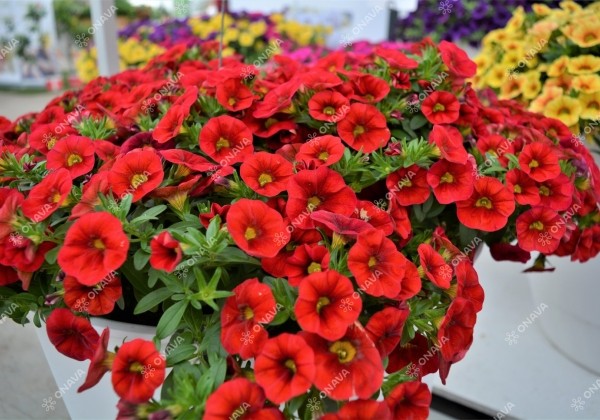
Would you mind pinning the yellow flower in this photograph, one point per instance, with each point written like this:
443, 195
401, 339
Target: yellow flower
564, 108
495, 37
531, 84
584, 64
230, 36
570, 6
585, 34
511, 88
516, 21
258, 28
590, 105
541, 9
586, 83
542, 30
496, 76
564, 81
549, 93
558, 66
246, 39
483, 62
242, 24
512, 59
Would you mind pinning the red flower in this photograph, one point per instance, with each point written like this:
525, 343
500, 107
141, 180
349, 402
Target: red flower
468, 284
360, 410
376, 264
409, 401
451, 182
100, 362
502, 251
369, 89
496, 146
74, 153
166, 252
488, 208
72, 336
226, 140
170, 124
97, 300
256, 228
412, 355
187, 162
321, 189
588, 245
375, 216
455, 333
305, 260
137, 370
349, 227
441, 107
523, 187
458, 62
266, 173
277, 100
215, 209
411, 282
285, 368
239, 398
47, 196
348, 367
540, 229
251, 305
434, 266
408, 186
233, 95
396, 59
400, 217
327, 304
323, 150
557, 193
137, 173
364, 128
450, 142
328, 105
24, 255
539, 161
385, 329
94, 246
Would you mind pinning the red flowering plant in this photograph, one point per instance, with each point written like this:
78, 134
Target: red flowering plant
303, 237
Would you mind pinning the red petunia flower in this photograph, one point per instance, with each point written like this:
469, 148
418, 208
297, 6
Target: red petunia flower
239, 398
396, 59
364, 128
226, 140
348, 227
451, 182
47, 196
256, 228
539, 161
410, 283
408, 186
285, 368
74, 153
441, 107
385, 329
233, 95
187, 162
523, 187
455, 333
502, 251
375, 216
401, 220
97, 184
328, 105
266, 173
277, 100
24, 255
348, 367
376, 264
305, 260
94, 246
166, 252
137, 370
458, 62
242, 317
540, 229
327, 304
588, 245
489, 207
450, 142
137, 173
369, 89
321, 189
468, 284
170, 124
497, 146
412, 354
360, 410
556, 193
101, 362
434, 266
215, 209
96, 300
72, 335
409, 400
323, 150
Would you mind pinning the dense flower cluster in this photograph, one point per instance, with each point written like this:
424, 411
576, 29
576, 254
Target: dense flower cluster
549, 60
305, 235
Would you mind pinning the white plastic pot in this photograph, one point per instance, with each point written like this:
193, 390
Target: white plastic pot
99, 402
572, 321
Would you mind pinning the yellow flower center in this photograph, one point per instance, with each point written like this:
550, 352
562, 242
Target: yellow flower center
55, 197
329, 110
136, 367
447, 178
248, 313
358, 130
314, 267
545, 191
270, 122
264, 179
517, 189
221, 143
250, 233
137, 180
323, 301
439, 107
484, 202
534, 163
98, 244
231, 101
372, 262
289, 363
345, 351
74, 159
537, 225
314, 201
323, 156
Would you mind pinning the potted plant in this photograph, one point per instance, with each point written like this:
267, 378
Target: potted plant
301, 236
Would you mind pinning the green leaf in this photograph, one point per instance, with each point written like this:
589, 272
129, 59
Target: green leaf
170, 320
149, 214
140, 258
52, 255
152, 299
180, 353
417, 122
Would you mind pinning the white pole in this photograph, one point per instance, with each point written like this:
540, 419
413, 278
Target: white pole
104, 29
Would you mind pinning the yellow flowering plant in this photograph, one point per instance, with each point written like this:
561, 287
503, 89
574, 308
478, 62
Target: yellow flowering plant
548, 59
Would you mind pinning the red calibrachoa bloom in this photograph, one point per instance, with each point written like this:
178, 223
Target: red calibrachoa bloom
434, 266
137, 173
468, 285
47, 196
323, 150
137, 370
539, 161
72, 335
450, 142
451, 182
277, 100
321, 189
166, 252
305, 260
409, 400
369, 89
540, 229
441, 107
523, 187
226, 140
457, 61
327, 304
101, 362
497, 146
376, 264
251, 305
233, 95
348, 367
385, 329
328, 105
409, 186
94, 246
96, 300
364, 128
285, 368
98, 184
455, 333
256, 228
489, 207
556, 193
266, 173
360, 410
170, 124
74, 153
